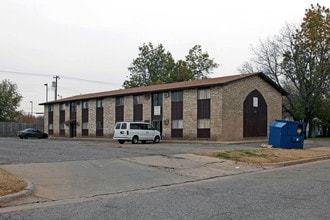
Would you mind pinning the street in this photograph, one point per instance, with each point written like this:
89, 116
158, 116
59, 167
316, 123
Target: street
158, 192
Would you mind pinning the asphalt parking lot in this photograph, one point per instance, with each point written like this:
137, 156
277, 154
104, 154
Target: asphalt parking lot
67, 169
73, 170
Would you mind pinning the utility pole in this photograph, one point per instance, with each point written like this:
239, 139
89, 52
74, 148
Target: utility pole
56, 78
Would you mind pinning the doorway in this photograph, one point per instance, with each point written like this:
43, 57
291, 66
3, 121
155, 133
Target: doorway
255, 115
73, 129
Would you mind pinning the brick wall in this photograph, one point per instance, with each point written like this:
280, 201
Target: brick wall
78, 120
234, 95
216, 113
109, 107
67, 117
226, 110
46, 121
167, 115
147, 107
91, 117
56, 119
190, 114
128, 108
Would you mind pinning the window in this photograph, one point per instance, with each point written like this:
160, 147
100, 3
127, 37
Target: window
85, 104
138, 108
62, 106
62, 126
157, 99
137, 99
73, 106
50, 126
120, 101
177, 96
203, 123
177, 124
123, 125
99, 125
204, 94
255, 101
143, 126
134, 126
99, 103
50, 108
119, 109
85, 125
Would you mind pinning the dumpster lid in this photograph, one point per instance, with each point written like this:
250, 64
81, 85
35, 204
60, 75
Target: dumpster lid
278, 124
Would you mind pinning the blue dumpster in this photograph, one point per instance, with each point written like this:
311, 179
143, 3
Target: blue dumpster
286, 134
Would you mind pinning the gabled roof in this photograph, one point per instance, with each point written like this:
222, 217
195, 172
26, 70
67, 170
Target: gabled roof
170, 87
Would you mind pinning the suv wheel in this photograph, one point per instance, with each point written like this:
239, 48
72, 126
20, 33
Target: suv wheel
135, 140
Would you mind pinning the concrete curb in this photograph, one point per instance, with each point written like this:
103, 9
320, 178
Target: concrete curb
293, 162
29, 189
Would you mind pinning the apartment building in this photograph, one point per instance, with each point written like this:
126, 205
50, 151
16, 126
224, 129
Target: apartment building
225, 108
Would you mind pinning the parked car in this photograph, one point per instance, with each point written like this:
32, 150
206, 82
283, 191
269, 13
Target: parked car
135, 132
31, 132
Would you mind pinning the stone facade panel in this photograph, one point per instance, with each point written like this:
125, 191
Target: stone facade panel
92, 118
190, 114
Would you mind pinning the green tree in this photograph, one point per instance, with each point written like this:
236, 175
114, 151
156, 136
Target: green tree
299, 60
324, 116
154, 65
9, 101
199, 62
306, 65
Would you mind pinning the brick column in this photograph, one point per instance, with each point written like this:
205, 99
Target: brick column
56, 119
109, 106
92, 117
167, 115
190, 114
128, 108
216, 113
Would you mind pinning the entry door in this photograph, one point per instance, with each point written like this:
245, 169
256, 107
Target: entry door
73, 129
255, 115
157, 125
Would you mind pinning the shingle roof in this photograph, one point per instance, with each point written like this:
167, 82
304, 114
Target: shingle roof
171, 86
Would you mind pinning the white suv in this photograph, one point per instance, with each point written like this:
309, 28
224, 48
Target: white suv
135, 132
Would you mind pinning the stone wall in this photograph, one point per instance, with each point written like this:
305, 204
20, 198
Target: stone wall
216, 113
190, 114
234, 95
128, 108
46, 119
226, 110
91, 117
147, 107
78, 119
56, 123
167, 104
109, 110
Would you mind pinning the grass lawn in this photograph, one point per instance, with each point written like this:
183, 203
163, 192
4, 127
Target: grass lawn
10, 184
319, 139
267, 155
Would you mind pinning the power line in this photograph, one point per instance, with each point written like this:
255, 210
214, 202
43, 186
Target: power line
49, 75
24, 73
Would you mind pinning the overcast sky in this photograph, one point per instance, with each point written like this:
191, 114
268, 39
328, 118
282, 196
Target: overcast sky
91, 43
